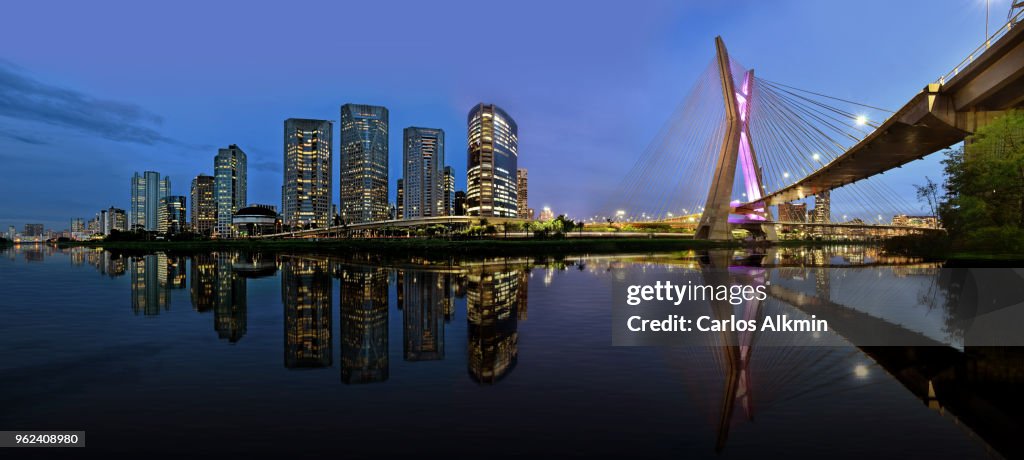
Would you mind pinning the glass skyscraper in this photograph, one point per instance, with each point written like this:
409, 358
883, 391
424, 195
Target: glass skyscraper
492, 162
171, 214
423, 172
229, 168
306, 198
204, 207
364, 163
147, 190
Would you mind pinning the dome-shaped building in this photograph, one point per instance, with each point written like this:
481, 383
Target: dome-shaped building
255, 221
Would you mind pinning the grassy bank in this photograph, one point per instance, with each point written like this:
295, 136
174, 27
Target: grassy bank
422, 246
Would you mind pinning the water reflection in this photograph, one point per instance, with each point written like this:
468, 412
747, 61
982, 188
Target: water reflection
732, 381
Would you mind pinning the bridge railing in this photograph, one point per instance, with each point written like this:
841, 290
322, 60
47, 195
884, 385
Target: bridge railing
999, 33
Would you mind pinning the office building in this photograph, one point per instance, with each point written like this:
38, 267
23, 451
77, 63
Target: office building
117, 220
459, 203
423, 172
33, 230
204, 206
522, 208
77, 225
229, 189
492, 163
400, 199
822, 213
147, 190
306, 198
793, 212
363, 163
171, 215
448, 195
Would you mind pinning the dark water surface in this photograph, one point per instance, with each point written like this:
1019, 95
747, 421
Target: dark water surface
355, 356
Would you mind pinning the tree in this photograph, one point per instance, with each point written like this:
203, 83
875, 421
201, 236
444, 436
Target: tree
929, 193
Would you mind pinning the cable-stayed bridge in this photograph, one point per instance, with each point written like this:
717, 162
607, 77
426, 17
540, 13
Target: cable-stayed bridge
741, 147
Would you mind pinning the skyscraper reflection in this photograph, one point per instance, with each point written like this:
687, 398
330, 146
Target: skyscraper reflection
426, 298
149, 282
306, 294
364, 324
230, 305
492, 298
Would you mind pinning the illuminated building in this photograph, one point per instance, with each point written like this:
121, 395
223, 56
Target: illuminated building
793, 212
492, 298
306, 200
492, 138
903, 220
448, 195
116, 220
363, 163
77, 225
204, 206
364, 325
147, 190
400, 199
547, 214
306, 295
425, 300
422, 172
254, 221
229, 188
459, 203
171, 215
522, 208
821, 214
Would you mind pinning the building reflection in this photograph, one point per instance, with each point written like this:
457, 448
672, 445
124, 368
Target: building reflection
493, 295
306, 294
425, 299
218, 284
153, 276
364, 324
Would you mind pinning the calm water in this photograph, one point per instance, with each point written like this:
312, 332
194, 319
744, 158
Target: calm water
498, 357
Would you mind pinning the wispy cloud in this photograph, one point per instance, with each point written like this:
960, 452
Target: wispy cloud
22, 137
25, 98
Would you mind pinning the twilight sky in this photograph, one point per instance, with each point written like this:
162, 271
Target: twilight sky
92, 91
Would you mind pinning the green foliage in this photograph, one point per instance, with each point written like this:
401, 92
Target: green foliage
983, 208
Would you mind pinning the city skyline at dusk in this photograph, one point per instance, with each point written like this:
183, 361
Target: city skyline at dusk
582, 81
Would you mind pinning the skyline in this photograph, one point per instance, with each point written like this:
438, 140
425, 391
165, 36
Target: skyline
77, 121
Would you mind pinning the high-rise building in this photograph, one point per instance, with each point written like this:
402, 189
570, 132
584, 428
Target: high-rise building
229, 189
400, 199
204, 207
11, 232
459, 203
77, 225
364, 163
492, 162
147, 190
448, 197
423, 172
522, 208
33, 230
822, 213
172, 215
117, 220
793, 212
306, 198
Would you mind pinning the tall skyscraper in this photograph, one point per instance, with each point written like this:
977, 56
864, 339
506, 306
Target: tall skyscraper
229, 192
400, 199
492, 163
147, 190
822, 213
306, 198
204, 207
77, 225
423, 172
522, 208
448, 197
117, 220
792, 212
364, 163
32, 230
172, 215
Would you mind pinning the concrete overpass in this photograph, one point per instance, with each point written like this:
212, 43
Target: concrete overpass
452, 221
982, 87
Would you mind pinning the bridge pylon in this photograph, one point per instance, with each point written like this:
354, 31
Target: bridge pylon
737, 147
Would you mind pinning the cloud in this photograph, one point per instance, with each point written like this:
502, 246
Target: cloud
25, 98
23, 137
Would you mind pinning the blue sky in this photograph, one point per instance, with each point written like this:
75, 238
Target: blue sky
92, 91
